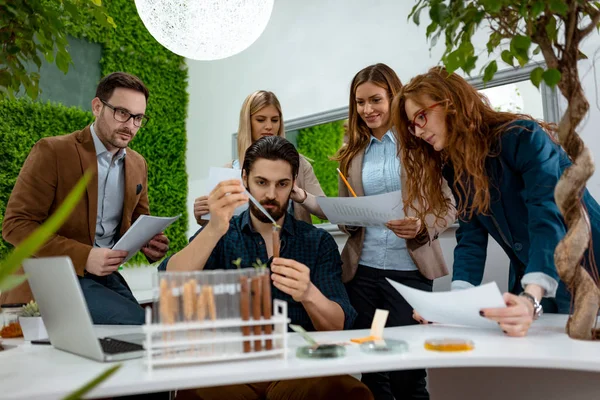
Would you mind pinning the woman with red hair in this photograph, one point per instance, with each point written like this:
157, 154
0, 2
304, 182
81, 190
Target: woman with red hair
502, 168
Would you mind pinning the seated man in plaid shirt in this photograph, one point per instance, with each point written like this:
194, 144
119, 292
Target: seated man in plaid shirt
307, 275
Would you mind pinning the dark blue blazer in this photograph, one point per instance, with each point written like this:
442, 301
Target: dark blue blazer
524, 218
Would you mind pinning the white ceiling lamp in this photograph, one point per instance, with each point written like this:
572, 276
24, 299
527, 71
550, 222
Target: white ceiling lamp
205, 29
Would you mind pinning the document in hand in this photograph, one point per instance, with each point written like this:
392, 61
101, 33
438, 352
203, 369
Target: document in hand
364, 210
457, 307
143, 229
217, 175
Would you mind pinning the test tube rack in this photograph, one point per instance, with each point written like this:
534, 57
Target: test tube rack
183, 342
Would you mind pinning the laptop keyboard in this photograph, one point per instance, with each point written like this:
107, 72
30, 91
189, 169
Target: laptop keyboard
115, 346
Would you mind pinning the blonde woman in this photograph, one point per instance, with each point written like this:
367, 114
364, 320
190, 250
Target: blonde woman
261, 116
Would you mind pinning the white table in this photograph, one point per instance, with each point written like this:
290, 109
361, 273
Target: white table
544, 365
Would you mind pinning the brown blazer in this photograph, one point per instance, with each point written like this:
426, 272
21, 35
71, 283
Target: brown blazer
52, 169
306, 180
424, 249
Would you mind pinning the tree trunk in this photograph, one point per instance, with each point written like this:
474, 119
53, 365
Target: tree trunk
570, 251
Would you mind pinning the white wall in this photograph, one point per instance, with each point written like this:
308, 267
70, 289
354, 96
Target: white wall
589, 71
307, 55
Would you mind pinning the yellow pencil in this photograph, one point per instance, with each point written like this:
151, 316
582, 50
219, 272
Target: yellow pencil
346, 182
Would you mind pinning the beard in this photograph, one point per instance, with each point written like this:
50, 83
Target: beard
275, 213
116, 140
113, 137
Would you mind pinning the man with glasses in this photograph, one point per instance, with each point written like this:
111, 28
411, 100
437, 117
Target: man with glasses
116, 196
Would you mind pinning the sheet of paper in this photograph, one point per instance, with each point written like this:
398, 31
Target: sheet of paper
457, 307
217, 175
364, 210
143, 229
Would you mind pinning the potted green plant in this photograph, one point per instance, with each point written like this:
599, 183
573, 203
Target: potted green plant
31, 322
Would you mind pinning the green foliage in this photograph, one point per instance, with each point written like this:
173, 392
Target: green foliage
162, 142
82, 391
515, 27
319, 143
31, 28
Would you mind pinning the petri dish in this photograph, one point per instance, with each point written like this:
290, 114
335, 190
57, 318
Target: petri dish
321, 351
384, 346
449, 345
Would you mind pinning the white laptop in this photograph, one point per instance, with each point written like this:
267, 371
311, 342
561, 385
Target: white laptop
65, 314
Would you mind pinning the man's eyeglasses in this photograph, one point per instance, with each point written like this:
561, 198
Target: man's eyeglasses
420, 118
122, 115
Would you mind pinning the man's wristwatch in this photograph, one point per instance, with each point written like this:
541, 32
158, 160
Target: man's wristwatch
537, 307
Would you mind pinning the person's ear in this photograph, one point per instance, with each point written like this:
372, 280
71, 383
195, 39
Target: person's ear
97, 106
245, 179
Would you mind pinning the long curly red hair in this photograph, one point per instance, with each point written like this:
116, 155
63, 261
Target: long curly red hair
473, 131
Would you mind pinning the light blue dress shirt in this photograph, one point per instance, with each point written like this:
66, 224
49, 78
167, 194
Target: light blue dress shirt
381, 174
111, 193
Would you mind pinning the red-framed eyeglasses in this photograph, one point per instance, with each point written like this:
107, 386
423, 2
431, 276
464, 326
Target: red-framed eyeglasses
420, 118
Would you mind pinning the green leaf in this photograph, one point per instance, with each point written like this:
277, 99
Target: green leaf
519, 47
38, 62
12, 49
552, 77
431, 29
581, 56
49, 56
490, 71
492, 6
12, 281
415, 13
507, 57
469, 64
38, 238
536, 76
63, 59
521, 43
82, 391
435, 38
537, 51
558, 7
537, 8
110, 21
5, 78
493, 42
453, 61
97, 2
438, 12
551, 29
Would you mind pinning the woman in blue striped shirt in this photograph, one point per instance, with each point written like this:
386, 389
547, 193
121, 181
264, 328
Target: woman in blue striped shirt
406, 250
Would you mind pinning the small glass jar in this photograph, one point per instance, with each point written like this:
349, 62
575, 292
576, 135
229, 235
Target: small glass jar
11, 327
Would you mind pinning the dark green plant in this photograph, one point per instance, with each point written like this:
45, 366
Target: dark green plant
319, 143
162, 142
34, 29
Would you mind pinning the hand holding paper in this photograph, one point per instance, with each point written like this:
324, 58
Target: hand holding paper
141, 232
218, 175
157, 247
363, 211
459, 307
